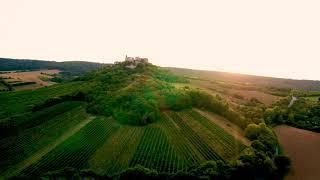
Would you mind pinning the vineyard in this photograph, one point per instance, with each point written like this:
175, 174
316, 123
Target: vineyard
154, 151
117, 150
16, 148
193, 136
75, 151
176, 142
222, 142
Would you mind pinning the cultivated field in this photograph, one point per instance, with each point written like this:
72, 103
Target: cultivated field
303, 148
176, 142
228, 126
265, 98
26, 145
231, 90
37, 77
21, 102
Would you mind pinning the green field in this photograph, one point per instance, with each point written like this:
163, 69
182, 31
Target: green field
223, 143
154, 151
176, 142
17, 148
75, 151
21, 102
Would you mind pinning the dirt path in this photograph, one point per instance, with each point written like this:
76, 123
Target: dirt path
39, 154
303, 148
293, 99
231, 128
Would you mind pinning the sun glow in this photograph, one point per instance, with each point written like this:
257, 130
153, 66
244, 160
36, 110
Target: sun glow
271, 38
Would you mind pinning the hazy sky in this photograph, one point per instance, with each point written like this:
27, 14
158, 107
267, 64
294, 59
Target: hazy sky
271, 37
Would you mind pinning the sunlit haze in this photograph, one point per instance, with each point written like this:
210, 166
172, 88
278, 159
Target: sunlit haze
272, 38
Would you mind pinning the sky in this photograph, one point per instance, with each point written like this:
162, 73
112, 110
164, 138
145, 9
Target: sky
278, 38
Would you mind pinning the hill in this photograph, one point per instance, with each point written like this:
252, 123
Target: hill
133, 120
72, 67
22, 74
308, 85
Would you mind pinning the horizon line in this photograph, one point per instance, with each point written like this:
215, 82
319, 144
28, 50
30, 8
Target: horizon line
197, 69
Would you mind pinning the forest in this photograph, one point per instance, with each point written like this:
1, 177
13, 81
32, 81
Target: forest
69, 68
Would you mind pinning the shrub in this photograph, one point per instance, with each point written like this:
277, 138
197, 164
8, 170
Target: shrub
257, 145
138, 172
265, 135
252, 131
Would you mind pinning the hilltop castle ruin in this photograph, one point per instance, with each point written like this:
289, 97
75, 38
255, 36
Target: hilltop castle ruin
134, 61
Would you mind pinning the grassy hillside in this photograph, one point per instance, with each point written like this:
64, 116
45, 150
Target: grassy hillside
308, 85
117, 121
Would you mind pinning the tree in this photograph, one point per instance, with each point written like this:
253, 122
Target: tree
257, 145
138, 172
252, 131
208, 168
291, 117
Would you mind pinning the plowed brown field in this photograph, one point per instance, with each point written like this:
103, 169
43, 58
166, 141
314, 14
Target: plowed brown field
303, 147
